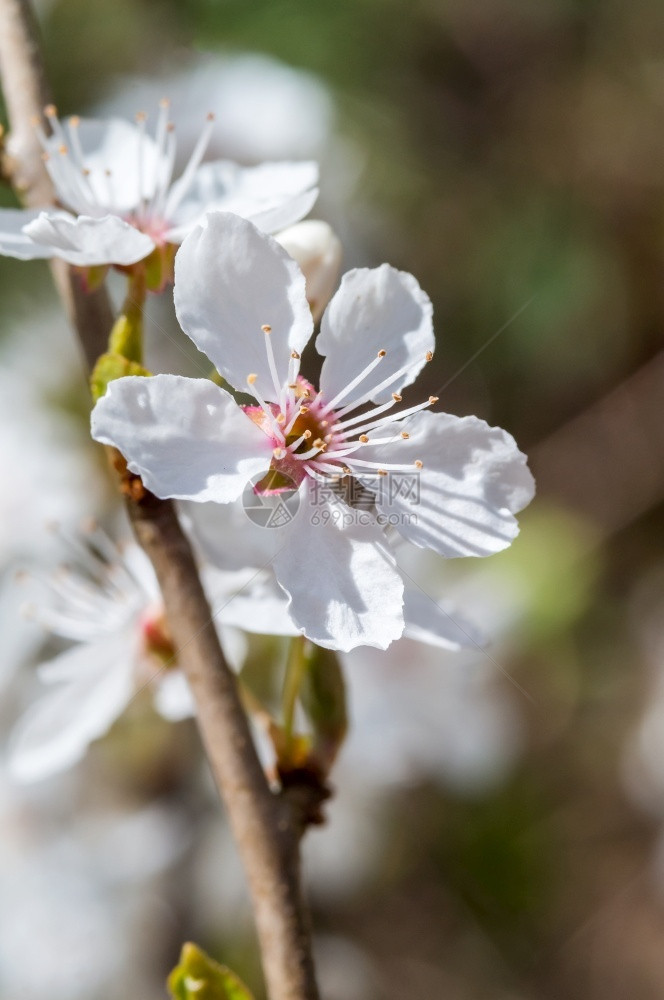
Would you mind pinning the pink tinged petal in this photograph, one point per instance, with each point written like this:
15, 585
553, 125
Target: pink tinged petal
462, 501
342, 580
87, 242
16, 243
186, 438
438, 623
57, 730
230, 281
378, 309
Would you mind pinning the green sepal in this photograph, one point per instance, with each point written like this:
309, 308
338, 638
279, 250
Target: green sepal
199, 977
127, 335
323, 698
109, 367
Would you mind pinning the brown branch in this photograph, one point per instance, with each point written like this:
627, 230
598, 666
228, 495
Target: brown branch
266, 828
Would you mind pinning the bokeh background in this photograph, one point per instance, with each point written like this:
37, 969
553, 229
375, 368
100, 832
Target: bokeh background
496, 831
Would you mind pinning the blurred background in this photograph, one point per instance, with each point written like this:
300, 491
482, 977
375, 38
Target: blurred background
497, 827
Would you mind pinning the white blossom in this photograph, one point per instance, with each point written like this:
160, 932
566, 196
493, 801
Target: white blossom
241, 299
111, 611
120, 202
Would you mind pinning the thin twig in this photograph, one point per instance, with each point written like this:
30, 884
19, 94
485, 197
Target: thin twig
265, 826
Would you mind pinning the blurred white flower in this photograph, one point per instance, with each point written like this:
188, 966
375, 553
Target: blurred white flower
71, 889
264, 109
47, 475
117, 183
111, 608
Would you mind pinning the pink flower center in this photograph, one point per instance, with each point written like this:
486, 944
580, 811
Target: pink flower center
317, 438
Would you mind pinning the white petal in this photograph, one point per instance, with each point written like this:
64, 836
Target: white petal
87, 242
261, 608
437, 623
378, 309
462, 502
186, 438
317, 249
272, 218
230, 280
212, 524
123, 165
13, 241
56, 731
173, 698
343, 583
266, 194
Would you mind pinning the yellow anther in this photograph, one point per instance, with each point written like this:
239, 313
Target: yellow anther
50, 111
304, 409
405, 435
251, 378
281, 418
396, 397
74, 121
364, 438
141, 117
165, 102
432, 400
295, 356
63, 149
381, 353
306, 435
418, 464
429, 355
266, 328
382, 472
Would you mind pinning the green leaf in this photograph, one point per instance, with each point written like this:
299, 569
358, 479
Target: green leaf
109, 367
199, 977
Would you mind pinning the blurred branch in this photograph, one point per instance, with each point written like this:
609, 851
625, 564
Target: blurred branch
266, 826
26, 94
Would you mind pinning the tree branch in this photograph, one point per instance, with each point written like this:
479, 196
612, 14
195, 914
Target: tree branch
266, 828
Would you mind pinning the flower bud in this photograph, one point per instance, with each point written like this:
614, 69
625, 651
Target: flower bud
317, 249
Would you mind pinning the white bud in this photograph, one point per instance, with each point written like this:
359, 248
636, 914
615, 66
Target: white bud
317, 249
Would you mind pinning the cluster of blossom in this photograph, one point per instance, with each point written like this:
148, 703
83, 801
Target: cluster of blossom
365, 471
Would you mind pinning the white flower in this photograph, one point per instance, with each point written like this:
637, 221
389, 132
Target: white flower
120, 202
241, 299
112, 610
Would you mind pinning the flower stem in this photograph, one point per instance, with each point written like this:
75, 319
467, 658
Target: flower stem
126, 336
